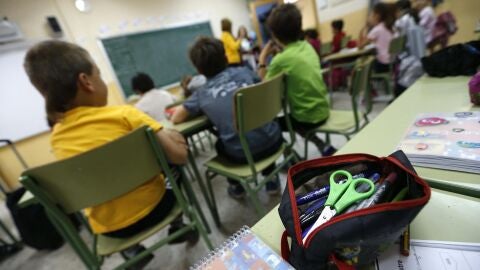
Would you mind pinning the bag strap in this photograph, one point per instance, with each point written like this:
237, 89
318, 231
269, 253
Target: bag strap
285, 249
341, 265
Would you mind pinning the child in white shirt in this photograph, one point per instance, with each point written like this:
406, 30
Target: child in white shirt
152, 101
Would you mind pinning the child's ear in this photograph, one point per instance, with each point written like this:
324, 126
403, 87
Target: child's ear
84, 83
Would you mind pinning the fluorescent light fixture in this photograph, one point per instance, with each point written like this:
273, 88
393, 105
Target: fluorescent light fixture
83, 5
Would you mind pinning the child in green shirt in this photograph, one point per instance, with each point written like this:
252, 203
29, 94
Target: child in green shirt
306, 90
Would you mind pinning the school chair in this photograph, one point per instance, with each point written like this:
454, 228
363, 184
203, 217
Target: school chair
344, 41
99, 175
397, 46
255, 106
325, 48
348, 122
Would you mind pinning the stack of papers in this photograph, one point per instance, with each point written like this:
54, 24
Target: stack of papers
449, 141
426, 255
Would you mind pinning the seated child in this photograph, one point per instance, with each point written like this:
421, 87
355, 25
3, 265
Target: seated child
306, 91
338, 35
311, 35
382, 18
76, 97
215, 100
152, 101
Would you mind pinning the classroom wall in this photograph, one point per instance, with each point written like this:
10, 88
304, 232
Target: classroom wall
466, 12
107, 17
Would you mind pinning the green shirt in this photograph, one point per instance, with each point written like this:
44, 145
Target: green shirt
306, 91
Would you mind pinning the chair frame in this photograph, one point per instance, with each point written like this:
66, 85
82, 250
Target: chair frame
360, 81
90, 257
289, 154
397, 46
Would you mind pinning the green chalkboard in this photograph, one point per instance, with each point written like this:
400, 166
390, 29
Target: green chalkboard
163, 54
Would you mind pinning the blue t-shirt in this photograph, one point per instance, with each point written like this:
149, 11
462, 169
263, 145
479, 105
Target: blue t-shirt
215, 100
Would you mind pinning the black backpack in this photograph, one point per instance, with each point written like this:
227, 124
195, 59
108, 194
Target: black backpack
32, 223
456, 60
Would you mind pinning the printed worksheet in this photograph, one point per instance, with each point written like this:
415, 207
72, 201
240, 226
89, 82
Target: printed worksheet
426, 255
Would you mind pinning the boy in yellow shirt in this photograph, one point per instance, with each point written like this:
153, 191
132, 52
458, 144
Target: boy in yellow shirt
75, 100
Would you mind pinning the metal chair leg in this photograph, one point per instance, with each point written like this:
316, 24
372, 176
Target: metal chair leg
212, 205
196, 204
254, 199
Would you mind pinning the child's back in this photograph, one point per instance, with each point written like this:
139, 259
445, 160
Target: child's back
215, 99
85, 128
307, 92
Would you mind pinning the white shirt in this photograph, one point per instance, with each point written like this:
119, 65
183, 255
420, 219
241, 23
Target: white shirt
427, 21
404, 24
154, 102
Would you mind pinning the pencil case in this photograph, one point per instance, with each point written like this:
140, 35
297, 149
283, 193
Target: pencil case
353, 239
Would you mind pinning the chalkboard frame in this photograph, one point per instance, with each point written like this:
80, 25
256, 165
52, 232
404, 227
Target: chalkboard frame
166, 27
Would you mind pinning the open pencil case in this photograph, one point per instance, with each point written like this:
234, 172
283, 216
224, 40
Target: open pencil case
355, 238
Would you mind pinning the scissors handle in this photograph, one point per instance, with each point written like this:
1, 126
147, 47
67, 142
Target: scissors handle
337, 189
352, 195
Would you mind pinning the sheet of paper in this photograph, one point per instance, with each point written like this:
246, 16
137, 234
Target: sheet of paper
432, 255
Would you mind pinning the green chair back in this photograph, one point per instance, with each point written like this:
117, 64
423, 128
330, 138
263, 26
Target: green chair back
258, 104
344, 41
360, 83
326, 48
99, 175
397, 46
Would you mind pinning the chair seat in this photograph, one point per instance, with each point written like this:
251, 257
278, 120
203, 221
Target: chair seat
222, 165
338, 122
108, 245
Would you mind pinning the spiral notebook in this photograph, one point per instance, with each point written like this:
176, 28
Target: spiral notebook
243, 250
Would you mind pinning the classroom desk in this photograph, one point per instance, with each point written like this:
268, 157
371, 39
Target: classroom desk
348, 55
190, 128
446, 217
382, 135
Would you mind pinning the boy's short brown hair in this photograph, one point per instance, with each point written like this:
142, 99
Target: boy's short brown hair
208, 56
285, 23
53, 68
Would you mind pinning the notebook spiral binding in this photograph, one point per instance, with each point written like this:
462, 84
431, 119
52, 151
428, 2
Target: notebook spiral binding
228, 244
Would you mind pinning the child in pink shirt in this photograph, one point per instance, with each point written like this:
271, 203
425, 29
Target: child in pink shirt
382, 19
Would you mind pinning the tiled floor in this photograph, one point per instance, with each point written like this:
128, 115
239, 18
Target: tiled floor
234, 214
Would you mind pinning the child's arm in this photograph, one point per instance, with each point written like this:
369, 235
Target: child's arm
262, 59
363, 39
180, 115
174, 145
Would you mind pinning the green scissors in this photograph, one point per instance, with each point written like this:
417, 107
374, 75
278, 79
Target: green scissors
341, 196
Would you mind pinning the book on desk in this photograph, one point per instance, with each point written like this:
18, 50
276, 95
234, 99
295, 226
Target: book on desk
449, 141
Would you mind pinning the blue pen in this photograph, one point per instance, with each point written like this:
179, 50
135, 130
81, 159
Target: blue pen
315, 205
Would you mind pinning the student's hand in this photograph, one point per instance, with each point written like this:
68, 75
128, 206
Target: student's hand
267, 50
174, 145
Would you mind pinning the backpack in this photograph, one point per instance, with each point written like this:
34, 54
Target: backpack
455, 60
32, 223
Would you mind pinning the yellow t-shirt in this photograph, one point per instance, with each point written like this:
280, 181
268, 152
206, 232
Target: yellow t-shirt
232, 48
85, 128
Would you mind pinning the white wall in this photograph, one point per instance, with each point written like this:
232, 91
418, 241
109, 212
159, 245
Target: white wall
109, 17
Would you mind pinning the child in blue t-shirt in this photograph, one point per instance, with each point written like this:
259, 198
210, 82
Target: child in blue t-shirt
215, 100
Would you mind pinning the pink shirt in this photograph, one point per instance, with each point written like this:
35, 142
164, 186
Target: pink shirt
381, 37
